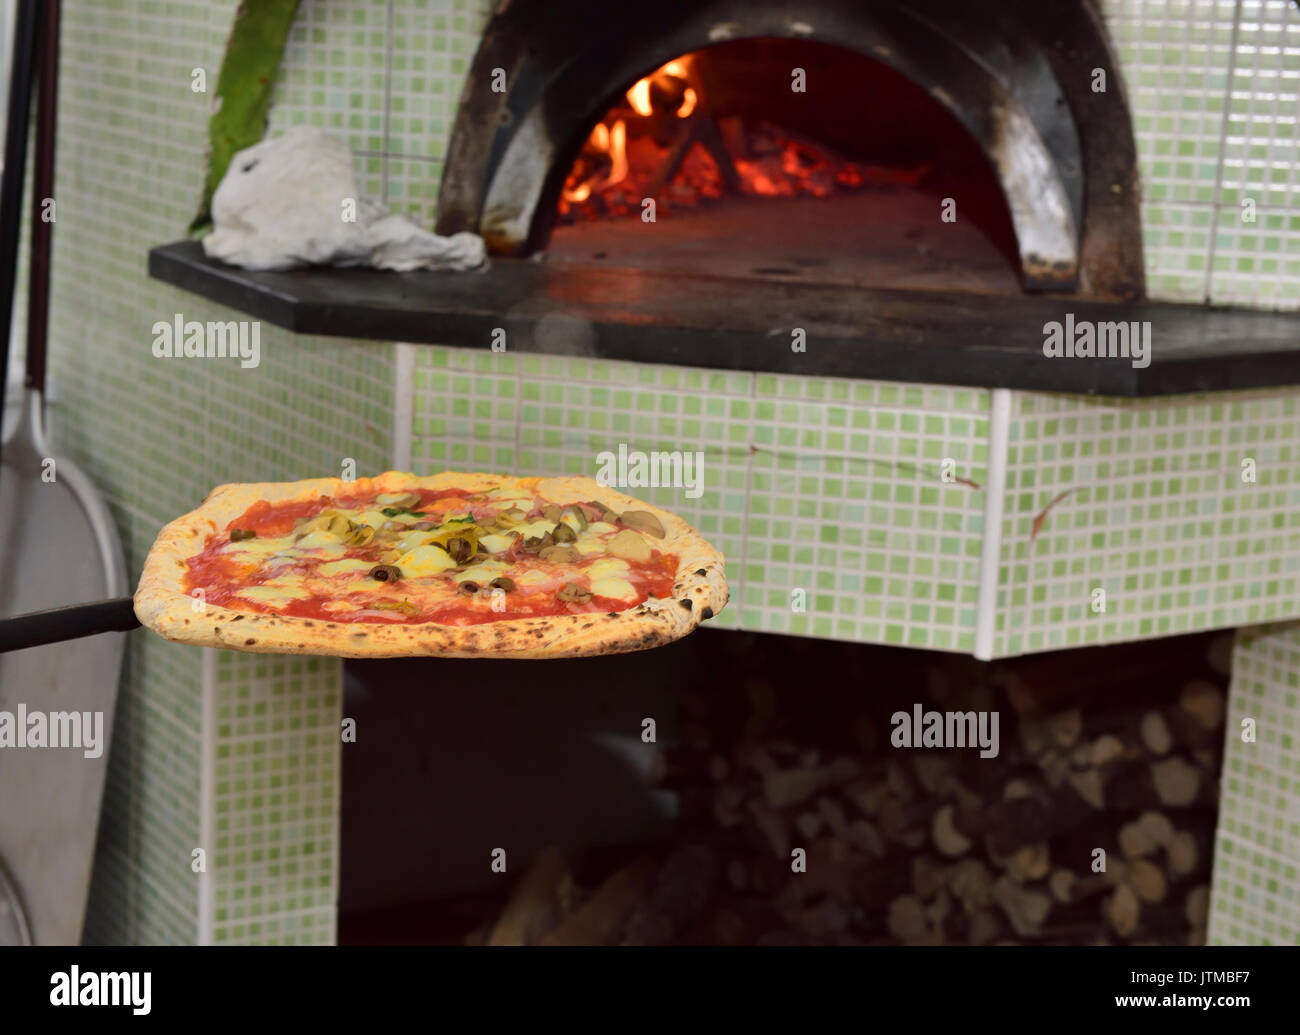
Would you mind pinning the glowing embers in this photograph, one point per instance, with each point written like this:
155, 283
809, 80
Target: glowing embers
664, 141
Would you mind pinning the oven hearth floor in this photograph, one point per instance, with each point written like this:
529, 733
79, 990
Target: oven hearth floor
887, 238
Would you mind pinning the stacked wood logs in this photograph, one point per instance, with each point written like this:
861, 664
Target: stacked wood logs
1093, 824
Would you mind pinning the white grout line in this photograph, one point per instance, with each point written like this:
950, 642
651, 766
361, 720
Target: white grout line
207, 793
403, 404
336, 834
994, 496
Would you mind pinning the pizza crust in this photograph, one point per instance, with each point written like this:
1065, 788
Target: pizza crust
161, 603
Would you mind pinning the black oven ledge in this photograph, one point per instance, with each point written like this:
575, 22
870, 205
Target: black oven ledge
746, 324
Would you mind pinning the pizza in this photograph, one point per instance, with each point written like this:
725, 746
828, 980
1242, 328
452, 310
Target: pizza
454, 565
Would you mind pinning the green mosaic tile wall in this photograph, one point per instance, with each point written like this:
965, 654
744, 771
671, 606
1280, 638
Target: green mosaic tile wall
1214, 86
825, 485
275, 817
1255, 895
157, 435
386, 76
811, 483
1155, 512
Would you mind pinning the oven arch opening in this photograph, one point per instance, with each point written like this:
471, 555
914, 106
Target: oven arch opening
1061, 154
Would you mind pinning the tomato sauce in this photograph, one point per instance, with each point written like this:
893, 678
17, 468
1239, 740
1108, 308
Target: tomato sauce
221, 577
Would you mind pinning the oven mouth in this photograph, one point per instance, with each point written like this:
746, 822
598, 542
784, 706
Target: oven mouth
749, 159
956, 144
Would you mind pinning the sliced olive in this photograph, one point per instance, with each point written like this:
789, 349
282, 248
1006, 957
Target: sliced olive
562, 533
643, 521
238, 535
385, 573
460, 549
573, 593
559, 554
503, 583
469, 587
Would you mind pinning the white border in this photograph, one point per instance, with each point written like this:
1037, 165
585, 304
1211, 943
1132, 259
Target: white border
403, 404
986, 608
207, 792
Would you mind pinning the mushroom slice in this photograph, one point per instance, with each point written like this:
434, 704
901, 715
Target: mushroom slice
605, 513
643, 521
572, 593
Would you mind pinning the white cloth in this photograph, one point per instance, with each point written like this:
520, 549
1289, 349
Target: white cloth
293, 201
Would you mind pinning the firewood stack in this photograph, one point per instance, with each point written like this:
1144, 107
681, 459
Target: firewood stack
924, 846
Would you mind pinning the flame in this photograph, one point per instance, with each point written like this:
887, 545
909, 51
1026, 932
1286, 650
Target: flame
612, 142
639, 97
624, 152
617, 153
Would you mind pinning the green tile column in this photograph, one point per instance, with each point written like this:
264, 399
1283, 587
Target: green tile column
1255, 893
269, 799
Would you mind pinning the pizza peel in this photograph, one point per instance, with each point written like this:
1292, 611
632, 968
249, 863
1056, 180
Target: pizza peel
58, 544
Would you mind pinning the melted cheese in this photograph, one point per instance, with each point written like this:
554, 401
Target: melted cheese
425, 560
256, 550
317, 539
614, 587
411, 540
430, 576
534, 528
495, 543
536, 580
274, 595
483, 572
344, 567
607, 566
374, 518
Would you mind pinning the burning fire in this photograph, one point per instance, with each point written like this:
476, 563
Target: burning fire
661, 141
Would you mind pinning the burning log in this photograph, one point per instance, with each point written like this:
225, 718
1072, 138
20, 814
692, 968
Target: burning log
703, 130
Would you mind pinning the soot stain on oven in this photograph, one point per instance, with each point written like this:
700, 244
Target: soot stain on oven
765, 744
